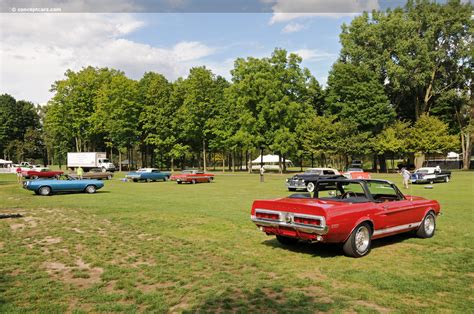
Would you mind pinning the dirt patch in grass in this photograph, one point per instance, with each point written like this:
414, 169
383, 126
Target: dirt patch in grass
111, 287
157, 286
180, 307
32, 222
314, 275
16, 227
50, 240
82, 276
77, 230
372, 306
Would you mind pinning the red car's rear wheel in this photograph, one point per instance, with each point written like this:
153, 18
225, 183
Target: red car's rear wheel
359, 242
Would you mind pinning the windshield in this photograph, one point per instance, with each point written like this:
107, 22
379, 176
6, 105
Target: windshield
105, 160
342, 191
187, 171
422, 171
383, 191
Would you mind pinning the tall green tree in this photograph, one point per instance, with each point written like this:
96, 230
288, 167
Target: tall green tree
429, 135
158, 112
393, 140
355, 94
203, 95
77, 95
18, 121
418, 52
273, 94
119, 107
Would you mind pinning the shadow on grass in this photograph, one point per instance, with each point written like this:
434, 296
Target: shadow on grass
316, 249
392, 240
326, 250
5, 216
263, 301
72, 193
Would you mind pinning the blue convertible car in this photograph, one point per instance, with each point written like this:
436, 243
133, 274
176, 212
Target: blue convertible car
48, 187
148, 174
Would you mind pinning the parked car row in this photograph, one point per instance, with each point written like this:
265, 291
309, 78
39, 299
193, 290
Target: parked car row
43, 184
307, 181
341, 207
153, 174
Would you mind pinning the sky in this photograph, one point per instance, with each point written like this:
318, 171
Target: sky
37, 48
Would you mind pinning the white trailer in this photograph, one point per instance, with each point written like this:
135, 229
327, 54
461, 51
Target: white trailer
89, 160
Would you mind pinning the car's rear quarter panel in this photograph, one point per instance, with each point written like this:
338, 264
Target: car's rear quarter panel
341, 218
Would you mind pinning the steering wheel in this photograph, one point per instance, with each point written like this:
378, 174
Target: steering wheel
349, 194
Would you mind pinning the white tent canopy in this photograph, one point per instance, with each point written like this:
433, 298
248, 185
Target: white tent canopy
5, 162
453, 155
269, 159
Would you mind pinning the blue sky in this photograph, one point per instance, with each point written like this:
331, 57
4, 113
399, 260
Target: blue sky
241, 35
37, 49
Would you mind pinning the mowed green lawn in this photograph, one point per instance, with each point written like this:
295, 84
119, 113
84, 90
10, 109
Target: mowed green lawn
165, 247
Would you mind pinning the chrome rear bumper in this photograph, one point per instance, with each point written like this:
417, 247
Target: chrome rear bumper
287, 220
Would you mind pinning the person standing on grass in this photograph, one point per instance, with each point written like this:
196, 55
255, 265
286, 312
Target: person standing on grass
80, 172
19, 176
406, 176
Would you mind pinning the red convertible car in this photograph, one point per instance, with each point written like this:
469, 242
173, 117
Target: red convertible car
192, 176
356, 173
36, 173
349, 211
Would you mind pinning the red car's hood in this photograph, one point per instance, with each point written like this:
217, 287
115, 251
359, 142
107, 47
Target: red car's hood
414, 198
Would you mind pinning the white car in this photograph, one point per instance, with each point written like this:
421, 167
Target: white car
430, 175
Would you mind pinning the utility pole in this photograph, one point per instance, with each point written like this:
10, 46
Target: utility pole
261, 165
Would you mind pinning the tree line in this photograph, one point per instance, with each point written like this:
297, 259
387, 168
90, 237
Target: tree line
401, 85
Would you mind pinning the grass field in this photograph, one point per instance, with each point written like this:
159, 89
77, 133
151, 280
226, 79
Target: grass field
165, 247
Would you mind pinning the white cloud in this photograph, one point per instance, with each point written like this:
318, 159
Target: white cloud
292, 28
311, 55
37, 49
287, 10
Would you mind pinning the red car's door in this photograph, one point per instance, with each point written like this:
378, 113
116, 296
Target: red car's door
396, 213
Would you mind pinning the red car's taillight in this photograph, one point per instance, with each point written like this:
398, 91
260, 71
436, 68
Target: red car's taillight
267, 216
307, 221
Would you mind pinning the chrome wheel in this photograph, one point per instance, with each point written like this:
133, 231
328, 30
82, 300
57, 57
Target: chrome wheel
44, 190
310, 187
429, 224
90, 189
358, 244
446, 180
362, 239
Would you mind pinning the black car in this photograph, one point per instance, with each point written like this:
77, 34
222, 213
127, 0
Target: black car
307, 180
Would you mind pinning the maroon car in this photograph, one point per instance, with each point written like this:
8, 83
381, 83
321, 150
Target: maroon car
192, 176
41, 173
